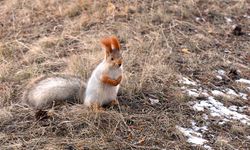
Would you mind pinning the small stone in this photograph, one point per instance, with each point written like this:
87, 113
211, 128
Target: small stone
157, 20
237, 30
234, 74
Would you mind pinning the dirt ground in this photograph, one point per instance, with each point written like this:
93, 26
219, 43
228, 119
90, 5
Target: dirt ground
177, 54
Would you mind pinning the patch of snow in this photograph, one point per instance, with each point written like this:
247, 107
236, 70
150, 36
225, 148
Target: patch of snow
221, 72
187, 81
193, 136
221, 122
204, 93
246, 81
200, 106
153, 101
205, 116
199, 19
192, 92
227, 51
195, 90
196, 140
193, 123
203, 128
231, 92
216, 108
196, 93
228, 20
233, 108
243, 96
217, 93
207, 147
219, 77
194, 133
241, 109
183, 88
246, 16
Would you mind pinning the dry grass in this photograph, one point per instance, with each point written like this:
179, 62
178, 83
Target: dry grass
60, 36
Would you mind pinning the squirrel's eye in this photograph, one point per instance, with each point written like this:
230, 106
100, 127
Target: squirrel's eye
112, 58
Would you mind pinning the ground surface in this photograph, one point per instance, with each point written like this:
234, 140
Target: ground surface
186, 68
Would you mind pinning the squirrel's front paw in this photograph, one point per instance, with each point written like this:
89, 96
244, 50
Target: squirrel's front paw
96, 107
114, 102
119, 79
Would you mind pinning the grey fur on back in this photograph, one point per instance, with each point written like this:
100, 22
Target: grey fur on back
45, 91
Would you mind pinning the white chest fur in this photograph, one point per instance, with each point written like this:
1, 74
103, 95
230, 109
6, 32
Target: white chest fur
99, 92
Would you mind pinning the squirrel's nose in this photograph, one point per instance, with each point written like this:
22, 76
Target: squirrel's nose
119, 65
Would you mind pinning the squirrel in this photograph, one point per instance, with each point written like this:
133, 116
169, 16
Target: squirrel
103, 85
101, 89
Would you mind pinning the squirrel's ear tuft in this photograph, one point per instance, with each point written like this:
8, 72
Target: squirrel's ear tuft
115, 44
106, 45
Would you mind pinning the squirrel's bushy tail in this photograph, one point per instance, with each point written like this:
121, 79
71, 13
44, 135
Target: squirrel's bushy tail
45, 91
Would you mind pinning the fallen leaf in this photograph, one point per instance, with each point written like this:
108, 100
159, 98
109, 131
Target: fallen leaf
185, 50
153, 101
130, 137
111, 8
141, 141
210, 30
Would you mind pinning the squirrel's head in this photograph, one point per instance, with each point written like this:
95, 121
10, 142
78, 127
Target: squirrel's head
111, 47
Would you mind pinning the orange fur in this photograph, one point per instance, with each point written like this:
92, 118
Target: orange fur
96, 107
114, 102
110, 43
119, 61
106, 79
115, 43
106, 43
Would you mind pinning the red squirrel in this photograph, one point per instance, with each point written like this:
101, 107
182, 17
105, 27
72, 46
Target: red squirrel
101, 88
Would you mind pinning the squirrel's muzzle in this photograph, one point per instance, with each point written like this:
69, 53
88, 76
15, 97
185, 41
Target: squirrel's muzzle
119, 63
